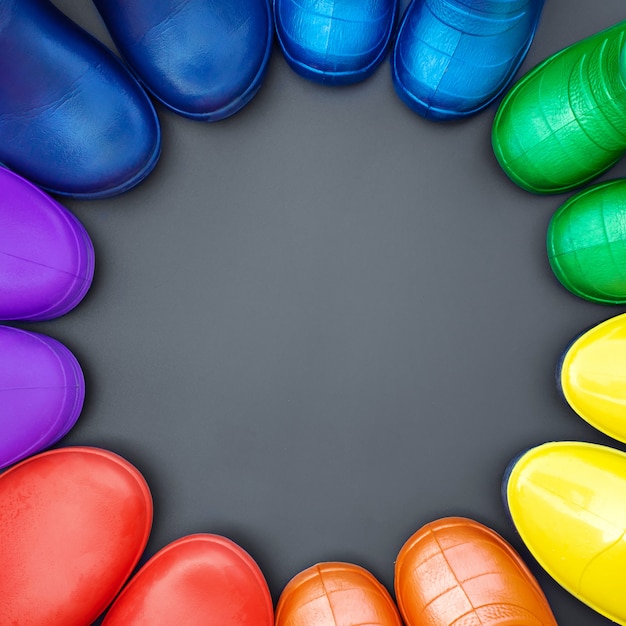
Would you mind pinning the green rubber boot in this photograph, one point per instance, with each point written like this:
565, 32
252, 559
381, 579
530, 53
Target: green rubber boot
564, 123
587, 243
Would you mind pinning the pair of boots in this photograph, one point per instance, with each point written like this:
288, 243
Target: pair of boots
77, 122
451, 571
46, 268
74, 523
562, 125
450, 58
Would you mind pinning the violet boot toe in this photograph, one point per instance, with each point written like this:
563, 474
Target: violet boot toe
42, 390
46, 255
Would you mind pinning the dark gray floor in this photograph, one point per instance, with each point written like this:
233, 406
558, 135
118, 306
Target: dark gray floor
325, 322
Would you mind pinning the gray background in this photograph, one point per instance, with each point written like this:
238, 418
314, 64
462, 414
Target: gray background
326, 321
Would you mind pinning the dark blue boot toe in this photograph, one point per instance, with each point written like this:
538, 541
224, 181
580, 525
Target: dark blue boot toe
72, 119
204, 59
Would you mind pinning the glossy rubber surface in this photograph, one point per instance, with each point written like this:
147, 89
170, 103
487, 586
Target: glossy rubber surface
199, 580
592, 376
46, 256
204, 59
456, 571
76, 520
586, 243
335, 42
564, 123
72, 119
454, 57
336, 594
566, 500
42, 390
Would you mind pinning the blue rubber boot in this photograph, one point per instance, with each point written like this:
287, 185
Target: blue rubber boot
334, 42
204, 59
452, 58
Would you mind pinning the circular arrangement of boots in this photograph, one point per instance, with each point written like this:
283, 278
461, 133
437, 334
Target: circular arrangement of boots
75, 121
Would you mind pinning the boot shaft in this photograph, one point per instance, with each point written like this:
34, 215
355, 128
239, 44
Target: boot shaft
485, 17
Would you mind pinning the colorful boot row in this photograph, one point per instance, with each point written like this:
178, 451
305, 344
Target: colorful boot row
76, 121
562, 125
77, 521
571, 487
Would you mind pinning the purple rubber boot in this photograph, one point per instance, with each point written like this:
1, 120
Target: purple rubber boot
46, 256
42, 390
